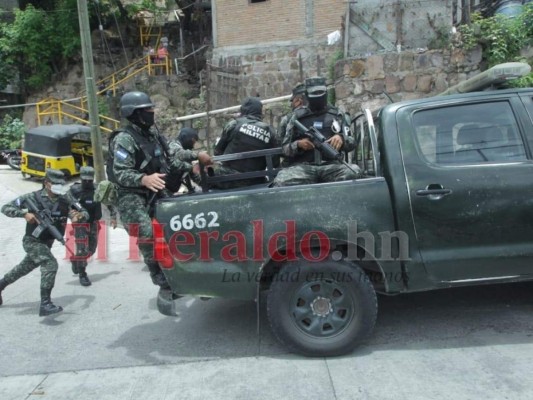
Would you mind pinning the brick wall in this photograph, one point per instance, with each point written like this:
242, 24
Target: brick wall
239, 22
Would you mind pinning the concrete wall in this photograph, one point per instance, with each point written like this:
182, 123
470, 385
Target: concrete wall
410, 23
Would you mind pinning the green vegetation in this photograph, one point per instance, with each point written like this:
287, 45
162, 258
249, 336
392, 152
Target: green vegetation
11, 133
501, 39
42, 39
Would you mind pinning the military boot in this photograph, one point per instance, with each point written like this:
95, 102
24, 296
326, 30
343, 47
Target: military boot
84, 279
3, 285
158, 278
47, 307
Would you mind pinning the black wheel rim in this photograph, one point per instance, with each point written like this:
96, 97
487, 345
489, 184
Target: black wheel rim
322, 308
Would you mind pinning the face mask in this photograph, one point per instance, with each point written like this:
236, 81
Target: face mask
188, 144
317, 103
147, 118
87, 185
58, 189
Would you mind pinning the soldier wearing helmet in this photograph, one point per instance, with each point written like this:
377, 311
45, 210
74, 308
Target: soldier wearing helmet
140, 162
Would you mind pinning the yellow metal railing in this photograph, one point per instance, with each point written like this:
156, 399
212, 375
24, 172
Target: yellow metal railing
53, 110
146, 34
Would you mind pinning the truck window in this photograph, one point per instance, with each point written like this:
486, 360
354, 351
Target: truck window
363, 154
466, 134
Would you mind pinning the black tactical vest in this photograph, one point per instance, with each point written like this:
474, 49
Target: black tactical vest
150, 148
322, 121
58, 211
86, 198
248, 135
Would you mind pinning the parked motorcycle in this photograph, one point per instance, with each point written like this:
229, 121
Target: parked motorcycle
12, 157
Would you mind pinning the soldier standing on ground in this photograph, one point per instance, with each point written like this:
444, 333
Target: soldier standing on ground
140, 159
59, 204
87, 233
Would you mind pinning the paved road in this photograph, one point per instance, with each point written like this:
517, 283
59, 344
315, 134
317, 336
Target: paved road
111, 343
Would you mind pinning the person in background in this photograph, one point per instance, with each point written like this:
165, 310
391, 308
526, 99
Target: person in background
56, 201
87, 233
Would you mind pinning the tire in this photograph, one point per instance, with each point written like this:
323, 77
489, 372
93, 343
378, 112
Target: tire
321, 309
14, 162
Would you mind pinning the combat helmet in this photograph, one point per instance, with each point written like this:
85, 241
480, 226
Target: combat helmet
132, 101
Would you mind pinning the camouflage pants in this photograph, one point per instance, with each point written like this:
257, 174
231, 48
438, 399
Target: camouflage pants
301, 174
220, 169
37, 254
86, 241
137, 222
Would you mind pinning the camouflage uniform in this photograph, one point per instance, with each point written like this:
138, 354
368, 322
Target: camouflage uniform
130, 164
180, 164
246, 133
298, 90
311, 166
37, 249
87, 233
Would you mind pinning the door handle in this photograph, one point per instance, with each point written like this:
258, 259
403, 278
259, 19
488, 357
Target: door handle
434, 191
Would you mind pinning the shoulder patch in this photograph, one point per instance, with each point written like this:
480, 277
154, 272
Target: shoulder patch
121, 153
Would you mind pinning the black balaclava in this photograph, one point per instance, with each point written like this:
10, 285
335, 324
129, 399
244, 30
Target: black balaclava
87, 185
143, 118
317, 99
252, 106
187, 138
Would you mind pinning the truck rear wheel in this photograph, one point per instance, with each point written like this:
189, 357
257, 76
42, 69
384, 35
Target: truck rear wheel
321, 309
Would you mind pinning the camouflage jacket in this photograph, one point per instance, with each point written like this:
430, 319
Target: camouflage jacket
290, 145
125, 149
177, 152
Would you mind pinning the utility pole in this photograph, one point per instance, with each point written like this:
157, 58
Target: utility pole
90, 86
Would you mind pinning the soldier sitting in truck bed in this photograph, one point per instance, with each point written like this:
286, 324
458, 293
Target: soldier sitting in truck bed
246, 133
306, 163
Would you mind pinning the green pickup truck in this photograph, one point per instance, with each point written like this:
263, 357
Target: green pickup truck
447, 201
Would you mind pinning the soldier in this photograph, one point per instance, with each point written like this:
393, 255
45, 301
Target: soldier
140, 162
87, 233
183, 155
55, 200
297, 101
307, 164
246, 133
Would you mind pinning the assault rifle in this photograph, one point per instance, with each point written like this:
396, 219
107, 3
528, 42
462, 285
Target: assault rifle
46, 223
321, 144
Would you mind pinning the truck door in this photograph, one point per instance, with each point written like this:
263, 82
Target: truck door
469, 173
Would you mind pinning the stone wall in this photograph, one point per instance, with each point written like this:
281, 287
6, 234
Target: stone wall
266, 72
360, 82
363, 82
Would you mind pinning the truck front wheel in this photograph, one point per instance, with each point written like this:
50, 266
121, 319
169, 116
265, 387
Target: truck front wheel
321, 309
